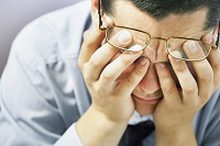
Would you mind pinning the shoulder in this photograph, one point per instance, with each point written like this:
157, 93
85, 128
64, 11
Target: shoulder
53, 35
211, 109
208, 122
212, 106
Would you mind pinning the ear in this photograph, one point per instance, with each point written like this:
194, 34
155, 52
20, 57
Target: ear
218, 37
94, 5
94, 12
106, 20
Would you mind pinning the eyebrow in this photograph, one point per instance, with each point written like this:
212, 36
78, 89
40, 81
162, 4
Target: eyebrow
203, 32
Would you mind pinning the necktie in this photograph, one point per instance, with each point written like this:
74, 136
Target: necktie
135, 134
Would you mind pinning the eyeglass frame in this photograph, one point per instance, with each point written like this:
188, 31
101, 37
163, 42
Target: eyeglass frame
154, 37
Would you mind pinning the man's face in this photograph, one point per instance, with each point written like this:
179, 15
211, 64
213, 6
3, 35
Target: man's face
148, 93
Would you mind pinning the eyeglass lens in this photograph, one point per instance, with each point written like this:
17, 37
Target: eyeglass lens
174, 46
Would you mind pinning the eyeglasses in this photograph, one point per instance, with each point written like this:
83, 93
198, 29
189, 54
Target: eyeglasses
173, 45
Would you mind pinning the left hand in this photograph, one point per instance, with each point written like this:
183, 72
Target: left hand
179, 106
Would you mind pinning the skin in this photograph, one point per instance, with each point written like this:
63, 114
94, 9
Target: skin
114, 79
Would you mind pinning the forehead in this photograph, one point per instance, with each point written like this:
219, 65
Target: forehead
192, 23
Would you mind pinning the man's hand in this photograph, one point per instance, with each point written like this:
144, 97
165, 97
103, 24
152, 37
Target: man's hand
112, 105
110, 96
174, 114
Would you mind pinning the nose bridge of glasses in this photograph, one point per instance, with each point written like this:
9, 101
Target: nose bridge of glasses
156, 50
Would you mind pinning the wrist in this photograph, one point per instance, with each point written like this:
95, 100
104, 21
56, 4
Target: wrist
181, 136
102, 118
95, 128
111, 114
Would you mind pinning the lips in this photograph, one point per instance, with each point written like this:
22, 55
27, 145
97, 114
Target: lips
148, 99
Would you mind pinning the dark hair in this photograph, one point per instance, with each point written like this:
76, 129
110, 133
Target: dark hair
159, 9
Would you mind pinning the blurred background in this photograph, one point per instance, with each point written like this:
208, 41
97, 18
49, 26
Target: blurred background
14, 15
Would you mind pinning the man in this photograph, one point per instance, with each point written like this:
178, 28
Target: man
154, 61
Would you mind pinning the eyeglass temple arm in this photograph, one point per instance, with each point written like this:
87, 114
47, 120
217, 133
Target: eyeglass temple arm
100, 16
217, 42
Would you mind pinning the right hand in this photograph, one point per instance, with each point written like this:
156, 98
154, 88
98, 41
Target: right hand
111, 96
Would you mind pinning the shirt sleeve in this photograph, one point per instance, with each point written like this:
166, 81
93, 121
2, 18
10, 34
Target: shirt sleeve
212, 131
208, 123
70, 138
37, 102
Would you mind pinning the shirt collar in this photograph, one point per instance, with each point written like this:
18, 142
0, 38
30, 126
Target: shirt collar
137, 118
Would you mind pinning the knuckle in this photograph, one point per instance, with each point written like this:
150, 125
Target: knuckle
80, 64
94, 63
85, 38
207, 77
87, 76
89, 83
181, 68
192, 89
138, 72
106, 76
204, 100
129, 84
99, 91
216, 66
169, 88
85, 34
130, 81
192, 105
125, 60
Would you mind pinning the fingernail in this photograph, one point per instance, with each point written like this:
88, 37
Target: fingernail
136, 48
192, 46
176, 55
143, 61
124, 37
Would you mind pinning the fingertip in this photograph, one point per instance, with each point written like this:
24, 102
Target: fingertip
93, 36
144, 61
96, 30
124, 37
136, 48
176, 59
208, 38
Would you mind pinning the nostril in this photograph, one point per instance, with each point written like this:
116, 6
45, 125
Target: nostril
150, 82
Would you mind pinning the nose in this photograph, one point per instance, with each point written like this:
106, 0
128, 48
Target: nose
156, 51
150, 83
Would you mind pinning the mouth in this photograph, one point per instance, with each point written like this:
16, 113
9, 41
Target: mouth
148, 100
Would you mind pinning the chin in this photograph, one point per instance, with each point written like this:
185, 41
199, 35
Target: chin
144, 110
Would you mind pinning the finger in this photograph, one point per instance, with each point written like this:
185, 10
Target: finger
119, 65
186, 80
214, 60
135, 77
104, 54
91, 41
167, 84
202, 69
